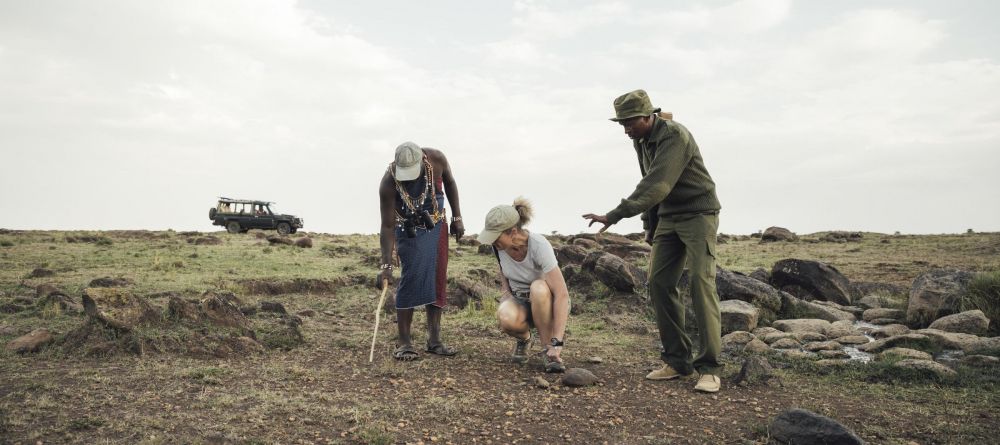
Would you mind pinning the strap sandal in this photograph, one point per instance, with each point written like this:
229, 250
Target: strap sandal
520, 354
405, 353
441, 349
552, 366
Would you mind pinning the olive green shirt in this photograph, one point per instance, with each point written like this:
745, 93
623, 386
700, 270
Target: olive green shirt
674, 177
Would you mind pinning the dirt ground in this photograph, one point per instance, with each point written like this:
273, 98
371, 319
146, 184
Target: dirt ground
325, 390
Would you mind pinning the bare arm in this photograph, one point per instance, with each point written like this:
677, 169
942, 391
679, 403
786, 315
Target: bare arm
450, 190
387, 231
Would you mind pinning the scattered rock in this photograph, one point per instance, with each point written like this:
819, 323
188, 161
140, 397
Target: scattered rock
890, 342
773, 337
540, 382
306, 313
936, 294
808, 309
786, 343
736, 286
485, 249
110, 282
819, 280
275, 239
763, 331
761, 274
755, 370
837, 354
738, 315
614, 272
823, 346
305, 242
967, 343
839, 329
969, 322
737, 338
41, 273
905, 353
885, 321
210, 240
877, 313
270, 306
808, 337
853, 340
756, 346
773, 234
976, 361
595, 360
802, 325
578, 377
30, 342
889, 330
842, 237
798, 426
570, 254
927, 365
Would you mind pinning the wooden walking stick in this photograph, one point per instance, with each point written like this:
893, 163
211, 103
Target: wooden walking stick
378, 313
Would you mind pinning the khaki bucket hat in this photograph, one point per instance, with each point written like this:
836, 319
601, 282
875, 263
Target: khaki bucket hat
498, 219
408, 161
633, 104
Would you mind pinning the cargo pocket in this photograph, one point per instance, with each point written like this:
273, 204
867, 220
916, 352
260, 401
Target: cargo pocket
710, 242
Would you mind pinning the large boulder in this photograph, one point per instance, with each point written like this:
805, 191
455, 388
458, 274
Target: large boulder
614, 272
912, 341
843, 328
736, 286
796, 307
798, 426
820, 281
773, 234
936, 294
968, 322
738, 316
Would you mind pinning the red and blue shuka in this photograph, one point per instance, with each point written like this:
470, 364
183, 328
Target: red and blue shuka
423, 257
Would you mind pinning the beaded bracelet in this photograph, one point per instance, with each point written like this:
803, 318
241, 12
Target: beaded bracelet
385, 266
456, 218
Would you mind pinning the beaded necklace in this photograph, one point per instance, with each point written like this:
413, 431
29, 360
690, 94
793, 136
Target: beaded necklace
428, 190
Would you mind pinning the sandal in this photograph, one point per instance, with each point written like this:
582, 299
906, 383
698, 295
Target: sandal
441, 349
405, 353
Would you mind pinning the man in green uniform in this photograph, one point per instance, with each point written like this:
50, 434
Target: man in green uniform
681, 217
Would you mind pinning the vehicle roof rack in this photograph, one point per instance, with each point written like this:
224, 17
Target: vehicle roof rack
245, 201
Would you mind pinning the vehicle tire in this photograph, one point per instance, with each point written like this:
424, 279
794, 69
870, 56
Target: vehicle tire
284, 228
233, 227
211, 213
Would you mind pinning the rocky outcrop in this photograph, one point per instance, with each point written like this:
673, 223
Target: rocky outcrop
936, 294
968, 343
968, 322
917, 341
570, 254
905, 353
798, 426
738, 315
820, 281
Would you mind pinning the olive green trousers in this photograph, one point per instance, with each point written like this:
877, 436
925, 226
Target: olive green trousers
681, 238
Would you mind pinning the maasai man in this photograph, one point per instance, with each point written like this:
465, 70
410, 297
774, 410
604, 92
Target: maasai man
414, 221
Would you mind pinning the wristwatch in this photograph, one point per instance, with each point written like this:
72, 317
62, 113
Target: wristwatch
556, 342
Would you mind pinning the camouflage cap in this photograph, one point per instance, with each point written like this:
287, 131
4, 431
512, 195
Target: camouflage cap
633, 104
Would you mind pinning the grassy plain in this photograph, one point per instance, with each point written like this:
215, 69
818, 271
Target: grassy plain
325, 391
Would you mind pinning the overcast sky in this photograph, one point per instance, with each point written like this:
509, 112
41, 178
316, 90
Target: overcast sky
849, 115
